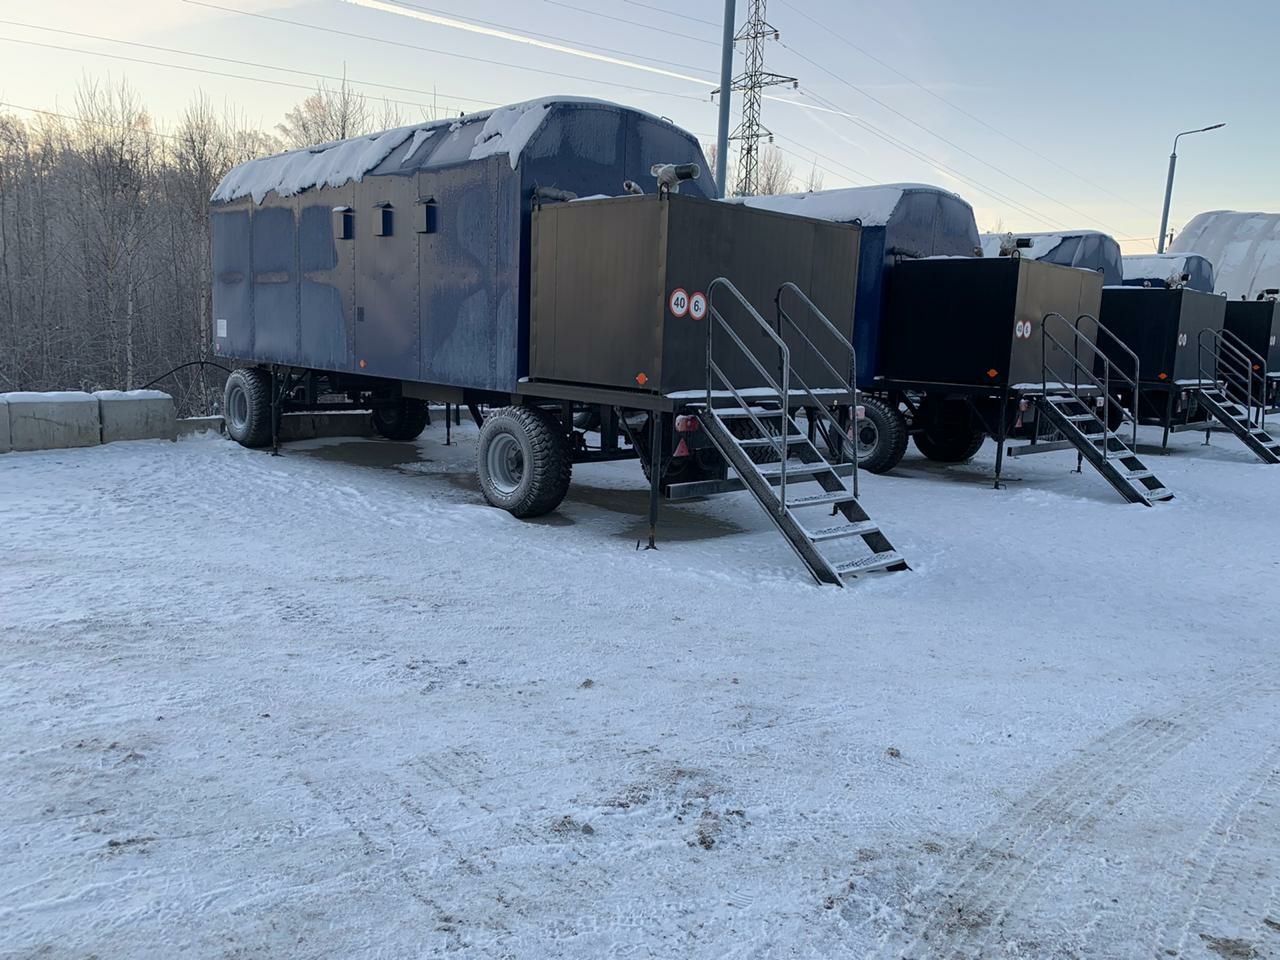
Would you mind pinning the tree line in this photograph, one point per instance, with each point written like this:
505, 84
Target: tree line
105, 273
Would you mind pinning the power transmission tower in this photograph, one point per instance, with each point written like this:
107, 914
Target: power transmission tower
751, 84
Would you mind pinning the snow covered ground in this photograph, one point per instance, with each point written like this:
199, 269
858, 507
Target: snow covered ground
331, 705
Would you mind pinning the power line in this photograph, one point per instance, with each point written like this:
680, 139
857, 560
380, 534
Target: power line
442, 53
935, 134
673, 13
74, 119
242, 63
937, 164
632, 23
937, 96
189, 69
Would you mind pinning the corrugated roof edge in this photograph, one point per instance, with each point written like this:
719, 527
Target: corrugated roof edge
506, 129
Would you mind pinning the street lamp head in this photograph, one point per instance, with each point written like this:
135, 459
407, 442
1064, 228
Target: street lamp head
1216, 126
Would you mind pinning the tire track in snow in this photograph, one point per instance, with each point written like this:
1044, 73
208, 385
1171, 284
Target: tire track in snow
1002, 868
1223, 872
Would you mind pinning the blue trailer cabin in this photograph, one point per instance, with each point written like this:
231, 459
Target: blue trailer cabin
318, 253
1166, 270
899, 220
1086, 249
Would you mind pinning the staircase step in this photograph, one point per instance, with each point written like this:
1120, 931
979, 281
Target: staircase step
1159, 493
877, 561
772, 441
1138, 475
857, 528
1080, 417
803, 471
742, 413
818, 499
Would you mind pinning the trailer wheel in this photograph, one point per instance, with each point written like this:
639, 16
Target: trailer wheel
524, 461
246, 406
402, 422
949, 432
882, 436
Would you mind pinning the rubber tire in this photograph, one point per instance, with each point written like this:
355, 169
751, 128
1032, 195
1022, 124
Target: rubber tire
254, 385
891, 444
548, 464
945, 437
403, 422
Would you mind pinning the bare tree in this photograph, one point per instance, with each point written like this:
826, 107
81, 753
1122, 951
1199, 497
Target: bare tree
776, 175
337, 114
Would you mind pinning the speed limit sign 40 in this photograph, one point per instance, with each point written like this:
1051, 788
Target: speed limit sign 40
678, 302
698, 306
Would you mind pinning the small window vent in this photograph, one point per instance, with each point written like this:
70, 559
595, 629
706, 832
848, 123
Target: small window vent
382, 219
428, 211
344, 223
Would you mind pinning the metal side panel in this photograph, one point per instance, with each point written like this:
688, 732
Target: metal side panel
232, 283
469, 269
325, 294
597, 301
275, 283
386, 278
1199, 311
1045, 288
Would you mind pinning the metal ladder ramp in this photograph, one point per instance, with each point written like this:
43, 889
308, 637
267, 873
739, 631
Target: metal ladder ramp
1107, 452
822, 520
1228, 367
1080, 408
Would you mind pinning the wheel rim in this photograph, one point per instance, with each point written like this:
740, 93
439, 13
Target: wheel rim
868, 439
505, 463
238, 407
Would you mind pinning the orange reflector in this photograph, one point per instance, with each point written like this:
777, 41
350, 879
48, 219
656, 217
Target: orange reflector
641, 378
363, 364
682, 449
1162, 376
1257, 366
993, 373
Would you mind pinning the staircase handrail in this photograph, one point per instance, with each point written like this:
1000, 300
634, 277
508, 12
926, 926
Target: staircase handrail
849, 382
1240, 354
1073, 354
782, 390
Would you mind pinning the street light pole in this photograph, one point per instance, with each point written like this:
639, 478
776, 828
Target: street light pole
726, 94
1168, 186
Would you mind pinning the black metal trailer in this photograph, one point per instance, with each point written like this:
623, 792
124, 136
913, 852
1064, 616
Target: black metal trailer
1256, 325
1194, 374
1006, 347
454, 262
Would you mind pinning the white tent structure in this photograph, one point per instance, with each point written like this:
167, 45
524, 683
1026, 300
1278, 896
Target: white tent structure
1244, 249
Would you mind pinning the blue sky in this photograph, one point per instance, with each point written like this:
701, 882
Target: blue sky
1042, 115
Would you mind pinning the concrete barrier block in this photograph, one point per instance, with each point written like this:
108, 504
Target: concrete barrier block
5, 445
137, 415
49, 421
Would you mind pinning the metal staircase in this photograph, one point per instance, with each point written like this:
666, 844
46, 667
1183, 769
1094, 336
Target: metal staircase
1233, 389
1083, 407
812, 500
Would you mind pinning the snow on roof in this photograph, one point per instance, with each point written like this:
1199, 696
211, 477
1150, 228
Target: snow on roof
1244, 249
872, 205
1155, 266
505, 130
1041, 243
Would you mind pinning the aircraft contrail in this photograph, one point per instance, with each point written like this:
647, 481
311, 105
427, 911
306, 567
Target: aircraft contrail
426, 16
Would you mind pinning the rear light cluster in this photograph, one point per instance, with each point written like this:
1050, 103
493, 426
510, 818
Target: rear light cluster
688, 425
